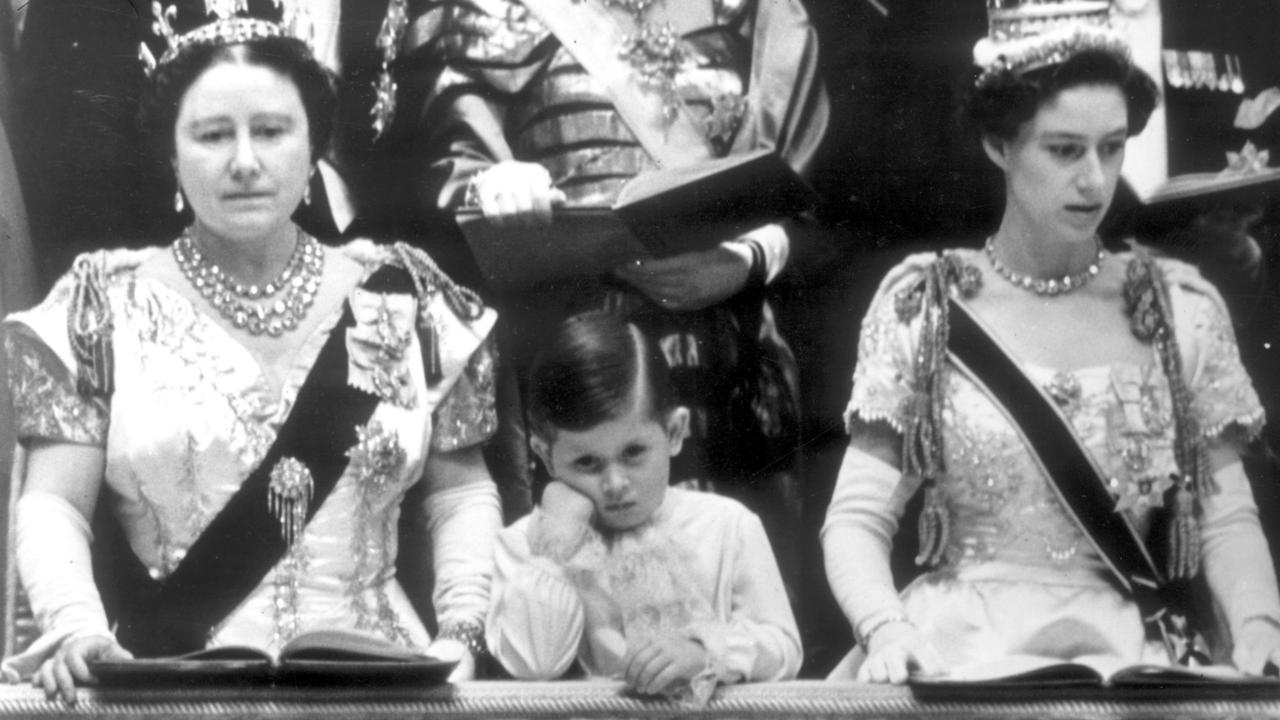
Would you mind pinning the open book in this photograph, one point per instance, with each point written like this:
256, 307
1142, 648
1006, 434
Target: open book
318, 656
1027, 674
659, 212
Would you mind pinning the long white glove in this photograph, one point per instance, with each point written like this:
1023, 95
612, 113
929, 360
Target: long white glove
464, 522
54, 562
858, 533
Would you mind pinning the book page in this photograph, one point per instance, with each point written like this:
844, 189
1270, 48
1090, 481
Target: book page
341, 645
1029, 669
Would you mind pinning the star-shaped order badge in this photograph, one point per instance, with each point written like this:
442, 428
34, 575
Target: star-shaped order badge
1138, 494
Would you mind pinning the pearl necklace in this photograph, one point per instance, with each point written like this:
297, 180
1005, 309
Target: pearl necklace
1047, 286
296, 287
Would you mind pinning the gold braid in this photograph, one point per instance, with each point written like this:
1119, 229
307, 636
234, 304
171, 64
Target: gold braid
923, 454
1150, 319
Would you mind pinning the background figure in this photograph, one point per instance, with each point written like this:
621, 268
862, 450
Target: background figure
87, 178
508, 112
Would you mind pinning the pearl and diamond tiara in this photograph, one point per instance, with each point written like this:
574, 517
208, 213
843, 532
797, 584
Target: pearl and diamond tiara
1024, 35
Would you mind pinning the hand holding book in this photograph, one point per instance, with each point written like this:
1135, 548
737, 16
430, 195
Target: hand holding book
514, 194
659, 213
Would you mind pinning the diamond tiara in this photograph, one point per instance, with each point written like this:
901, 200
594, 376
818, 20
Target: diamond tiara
1024, 35
228, 27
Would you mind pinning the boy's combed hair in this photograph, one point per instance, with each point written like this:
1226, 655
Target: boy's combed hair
587, 373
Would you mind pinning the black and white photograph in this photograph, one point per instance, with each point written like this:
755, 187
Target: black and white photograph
495, 359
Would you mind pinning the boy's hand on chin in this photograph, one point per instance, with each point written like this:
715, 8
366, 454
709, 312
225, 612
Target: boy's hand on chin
663, 664
566, 504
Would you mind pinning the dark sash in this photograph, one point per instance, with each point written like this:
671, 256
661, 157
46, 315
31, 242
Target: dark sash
243, 542
1077, 479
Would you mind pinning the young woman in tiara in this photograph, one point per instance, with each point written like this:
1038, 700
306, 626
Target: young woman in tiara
247, 410
1132, 357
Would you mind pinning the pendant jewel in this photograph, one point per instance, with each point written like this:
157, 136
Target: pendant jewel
289, 496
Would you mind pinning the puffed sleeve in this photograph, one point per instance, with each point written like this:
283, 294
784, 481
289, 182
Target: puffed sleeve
46, 405
759, 642
1222, 395
884, 376
61, 385
536, 616
467, 416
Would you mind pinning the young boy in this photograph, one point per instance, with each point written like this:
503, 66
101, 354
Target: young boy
672, 591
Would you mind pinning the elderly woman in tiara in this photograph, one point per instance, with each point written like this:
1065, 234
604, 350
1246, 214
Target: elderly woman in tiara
247, 410
1071, 416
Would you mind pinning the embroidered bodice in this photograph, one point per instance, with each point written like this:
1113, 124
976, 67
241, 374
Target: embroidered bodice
192, 414
1000, 504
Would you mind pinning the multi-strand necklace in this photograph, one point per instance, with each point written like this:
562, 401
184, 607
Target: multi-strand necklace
1047, 286
273, 308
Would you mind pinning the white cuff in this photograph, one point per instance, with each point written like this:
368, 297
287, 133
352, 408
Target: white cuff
774, 245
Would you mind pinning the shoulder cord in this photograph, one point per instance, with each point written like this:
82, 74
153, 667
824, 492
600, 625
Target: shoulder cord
89, 327
923, 454
1147, 303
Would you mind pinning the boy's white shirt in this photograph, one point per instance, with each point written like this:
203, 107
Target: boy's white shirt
538, 622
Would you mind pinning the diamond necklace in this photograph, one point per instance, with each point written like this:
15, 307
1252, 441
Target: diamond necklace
285, 300
1047, 286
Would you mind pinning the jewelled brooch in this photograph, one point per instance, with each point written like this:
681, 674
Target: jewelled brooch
289, 496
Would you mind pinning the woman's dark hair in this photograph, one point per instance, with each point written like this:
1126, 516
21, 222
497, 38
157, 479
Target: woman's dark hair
158, 112
588, 373
1005, 101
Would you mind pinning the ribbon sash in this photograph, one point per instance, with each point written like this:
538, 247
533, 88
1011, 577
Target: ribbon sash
1076, 478
243, 542
593, 35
